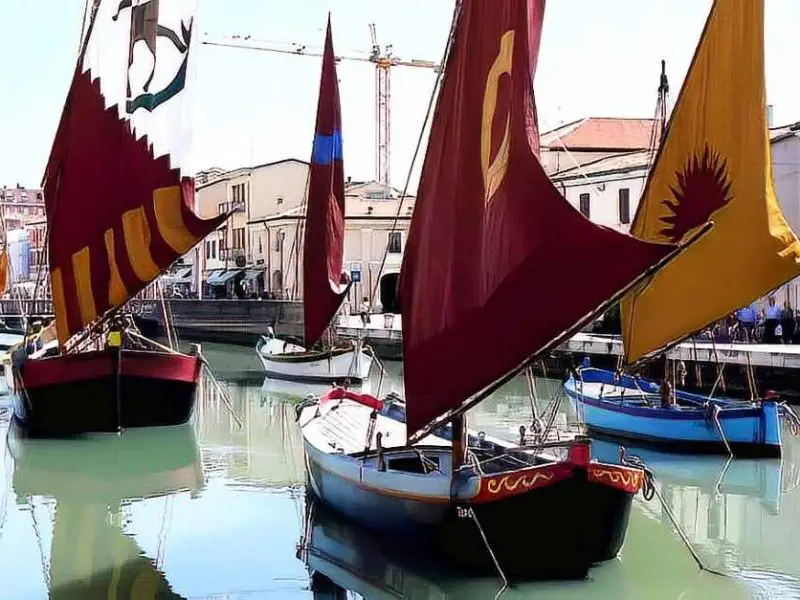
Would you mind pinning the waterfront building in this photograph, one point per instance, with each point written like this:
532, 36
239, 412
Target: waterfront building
607, 188
19, 205
258, 246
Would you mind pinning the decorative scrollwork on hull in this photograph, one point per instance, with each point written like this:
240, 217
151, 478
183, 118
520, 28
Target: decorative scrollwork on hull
510, 484
623, 478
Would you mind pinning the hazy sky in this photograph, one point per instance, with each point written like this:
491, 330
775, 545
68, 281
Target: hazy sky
598, 58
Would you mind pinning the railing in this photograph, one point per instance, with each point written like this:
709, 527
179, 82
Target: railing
11, 306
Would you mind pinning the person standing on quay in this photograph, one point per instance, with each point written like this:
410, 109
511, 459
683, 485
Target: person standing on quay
773, 319
747, 321
787, 323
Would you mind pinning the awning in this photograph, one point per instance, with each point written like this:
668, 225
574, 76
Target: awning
214, 276
181, 275
253, 274
221, 277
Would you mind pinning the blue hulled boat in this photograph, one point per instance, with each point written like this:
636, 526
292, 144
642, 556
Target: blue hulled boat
628, 407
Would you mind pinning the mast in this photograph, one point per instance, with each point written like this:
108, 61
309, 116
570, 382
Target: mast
663, 101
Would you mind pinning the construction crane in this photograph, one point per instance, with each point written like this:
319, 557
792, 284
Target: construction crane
383, 60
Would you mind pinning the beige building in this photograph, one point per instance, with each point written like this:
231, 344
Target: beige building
259, 243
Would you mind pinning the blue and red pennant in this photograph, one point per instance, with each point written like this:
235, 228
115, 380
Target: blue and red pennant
324, 285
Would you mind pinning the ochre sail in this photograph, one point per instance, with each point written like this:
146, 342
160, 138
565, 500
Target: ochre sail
498, 265
323, 289
714, 164
118, 208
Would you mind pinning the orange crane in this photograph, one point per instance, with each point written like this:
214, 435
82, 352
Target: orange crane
383, 61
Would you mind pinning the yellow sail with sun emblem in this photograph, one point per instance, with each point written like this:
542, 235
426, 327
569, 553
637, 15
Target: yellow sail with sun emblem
714, 164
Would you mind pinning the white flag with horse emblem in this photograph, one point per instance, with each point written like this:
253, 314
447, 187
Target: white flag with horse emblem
143, 53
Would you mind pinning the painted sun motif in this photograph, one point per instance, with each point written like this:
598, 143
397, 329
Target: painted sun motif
702, 188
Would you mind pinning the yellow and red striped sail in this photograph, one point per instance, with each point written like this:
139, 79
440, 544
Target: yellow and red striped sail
118, 208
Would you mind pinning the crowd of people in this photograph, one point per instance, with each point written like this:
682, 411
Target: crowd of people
773, 324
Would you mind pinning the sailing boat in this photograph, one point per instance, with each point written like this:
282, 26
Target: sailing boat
489, 239
714, 163
118, 214
325, 286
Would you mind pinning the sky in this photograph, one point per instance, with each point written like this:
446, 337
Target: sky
597, 59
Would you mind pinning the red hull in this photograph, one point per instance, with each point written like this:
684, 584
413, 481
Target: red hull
96, 391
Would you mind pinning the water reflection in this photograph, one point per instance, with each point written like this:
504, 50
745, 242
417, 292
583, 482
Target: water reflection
342, 556
87, 486
216, 510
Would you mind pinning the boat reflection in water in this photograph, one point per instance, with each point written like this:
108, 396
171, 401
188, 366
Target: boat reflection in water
739, 515
343, 557
93, 482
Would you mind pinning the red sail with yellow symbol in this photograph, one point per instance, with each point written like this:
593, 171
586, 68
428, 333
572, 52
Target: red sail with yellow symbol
495, 251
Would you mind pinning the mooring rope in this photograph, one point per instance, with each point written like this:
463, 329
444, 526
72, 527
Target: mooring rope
652, 489
791, 417
222, 392
715, 410
491, 553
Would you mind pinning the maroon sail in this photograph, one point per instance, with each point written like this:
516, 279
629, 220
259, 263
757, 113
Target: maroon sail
323, 289
498, 265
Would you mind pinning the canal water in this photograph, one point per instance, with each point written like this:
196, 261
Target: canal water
218, 510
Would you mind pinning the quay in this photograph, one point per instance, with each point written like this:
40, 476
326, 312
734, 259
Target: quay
384, 332
776, 366
239, 322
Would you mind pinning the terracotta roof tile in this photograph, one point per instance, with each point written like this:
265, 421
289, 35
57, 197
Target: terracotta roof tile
606, 133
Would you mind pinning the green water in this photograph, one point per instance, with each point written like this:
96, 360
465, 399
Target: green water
212, 510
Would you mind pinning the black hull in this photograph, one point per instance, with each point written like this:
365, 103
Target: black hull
687, 447
554, 532
90, 406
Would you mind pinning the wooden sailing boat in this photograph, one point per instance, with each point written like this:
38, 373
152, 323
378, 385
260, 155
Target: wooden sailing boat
325, 286
714, 164
118, 213
489, 239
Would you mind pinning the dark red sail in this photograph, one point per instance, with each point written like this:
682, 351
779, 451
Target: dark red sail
117, 215
498, 264
323, 288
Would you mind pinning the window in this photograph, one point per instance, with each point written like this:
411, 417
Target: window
624, 205
238, 238
38, 195
208, 250
222, 208
237, 194
378, 195
213, 248
585, 206
395, 242
260, 244
279, 200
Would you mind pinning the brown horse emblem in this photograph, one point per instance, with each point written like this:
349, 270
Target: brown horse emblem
145, 27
